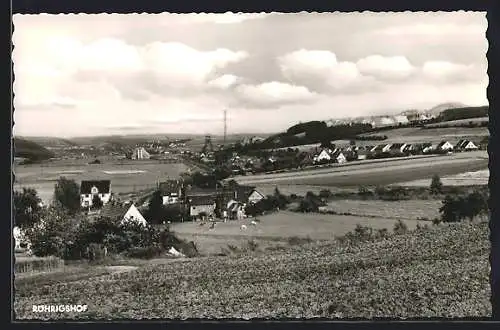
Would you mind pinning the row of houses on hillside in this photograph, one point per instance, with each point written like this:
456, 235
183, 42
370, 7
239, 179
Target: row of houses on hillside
397, 149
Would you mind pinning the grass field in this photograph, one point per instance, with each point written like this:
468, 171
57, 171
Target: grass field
460, 122
462, 179
278, 227
409, 210
127, 177
441, 272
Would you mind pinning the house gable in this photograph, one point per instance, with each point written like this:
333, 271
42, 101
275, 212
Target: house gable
134, 215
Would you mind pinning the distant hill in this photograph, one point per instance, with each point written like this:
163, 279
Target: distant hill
50, 142
438, 109
31, 150
463, 113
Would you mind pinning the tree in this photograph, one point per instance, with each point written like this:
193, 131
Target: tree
52, 234
476, 204
156, 210
96, 202
27, 208
452, 209
67, 195
436, 185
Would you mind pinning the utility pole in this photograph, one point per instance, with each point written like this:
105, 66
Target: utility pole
225, 126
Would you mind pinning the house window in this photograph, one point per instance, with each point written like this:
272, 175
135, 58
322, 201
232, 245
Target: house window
94, 190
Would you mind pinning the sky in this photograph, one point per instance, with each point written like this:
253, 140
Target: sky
84, 75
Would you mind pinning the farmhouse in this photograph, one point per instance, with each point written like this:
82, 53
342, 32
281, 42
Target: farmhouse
381, 148
95, 189
466, 145
140, 153
397, 149
444, 146
123, 212
339, 157
235, 210
409, 148
247, 194
323, 156
201, 206
171, 191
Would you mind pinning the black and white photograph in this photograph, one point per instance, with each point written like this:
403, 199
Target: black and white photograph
250, 166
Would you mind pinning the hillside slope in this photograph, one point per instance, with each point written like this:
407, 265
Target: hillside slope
31, 150
438, 272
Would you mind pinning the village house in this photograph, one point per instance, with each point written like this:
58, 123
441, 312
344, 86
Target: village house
428, 147
339, 157
466, 145
381, 148
171, 191
201, 206
409, 149
397, 149
126, 212
444, 146
92, 189
140, 153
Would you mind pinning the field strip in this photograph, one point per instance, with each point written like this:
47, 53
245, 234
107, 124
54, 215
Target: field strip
350, 172
125, 172
361, 165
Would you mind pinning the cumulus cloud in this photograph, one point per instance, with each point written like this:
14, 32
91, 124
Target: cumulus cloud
225, 81
135, 71
443, 71
316, 66
385, 67
271, 94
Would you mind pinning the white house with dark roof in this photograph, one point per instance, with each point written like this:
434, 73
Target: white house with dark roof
444, 146
124, 213
381, 148
171, 191
466, 145
92, 189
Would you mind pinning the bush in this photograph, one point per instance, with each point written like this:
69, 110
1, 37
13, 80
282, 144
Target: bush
25, 265
436, 185
325, 193
252, 245
295, 240
400, 227
145, 252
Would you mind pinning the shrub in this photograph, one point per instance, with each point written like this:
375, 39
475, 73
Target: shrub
400, 227
382, 233
325, 193
145, 252
252, 245
436, 185
25, 265
436, 221
295, 240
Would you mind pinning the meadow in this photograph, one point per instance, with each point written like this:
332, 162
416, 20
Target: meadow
280, 227
125, 177
405, 210
460, 122
438, 272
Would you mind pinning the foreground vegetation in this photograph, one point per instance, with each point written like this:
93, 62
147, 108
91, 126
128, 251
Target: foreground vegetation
437, 272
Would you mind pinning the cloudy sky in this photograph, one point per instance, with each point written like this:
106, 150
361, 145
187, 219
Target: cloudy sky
78, 75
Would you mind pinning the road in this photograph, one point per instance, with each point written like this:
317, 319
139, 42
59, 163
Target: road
377, 173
